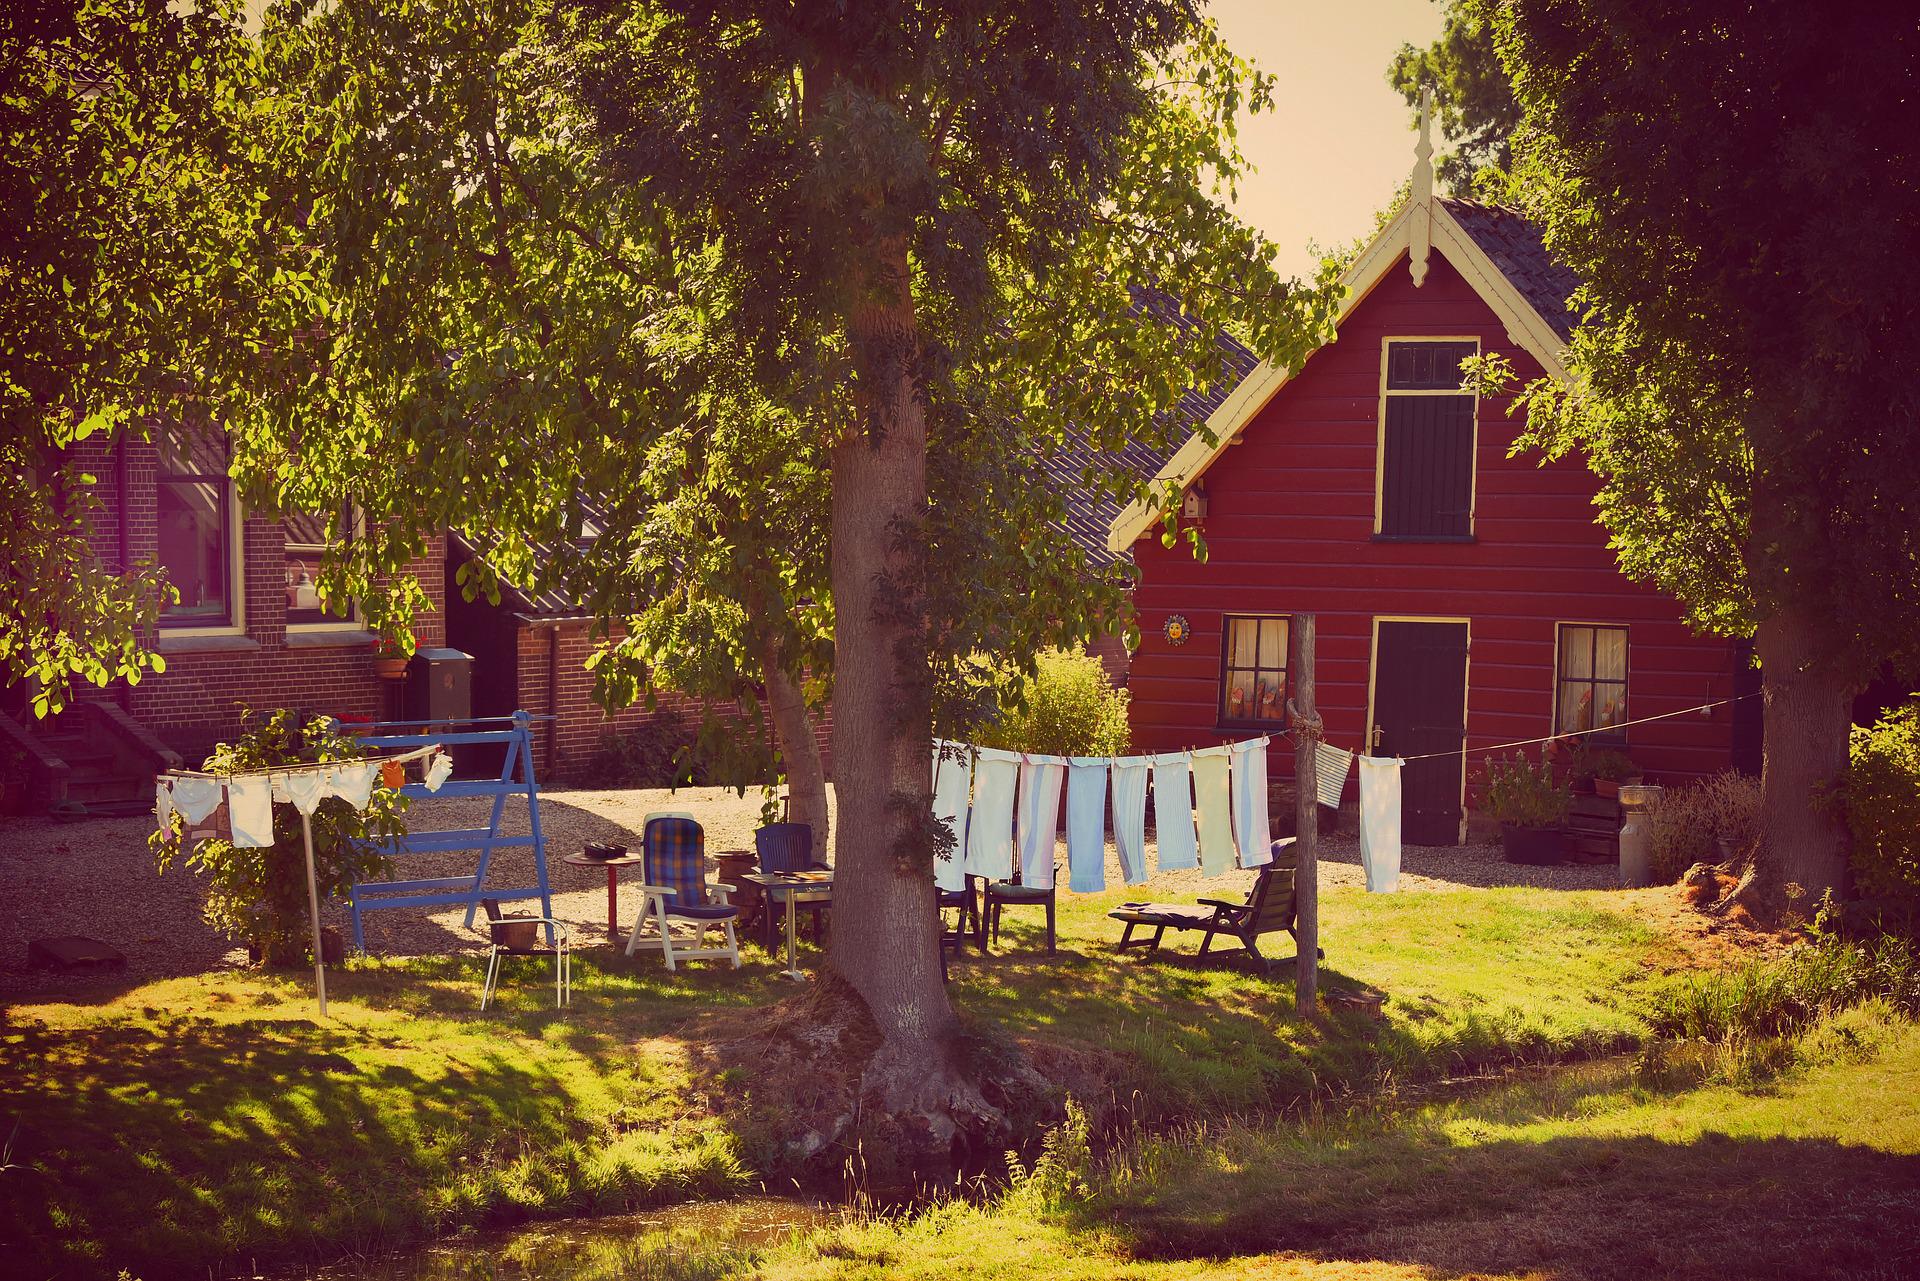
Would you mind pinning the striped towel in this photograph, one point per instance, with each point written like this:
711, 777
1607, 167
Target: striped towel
1331, 764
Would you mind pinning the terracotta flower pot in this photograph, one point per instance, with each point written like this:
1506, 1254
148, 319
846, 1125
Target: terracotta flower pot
390, 667
1607, 787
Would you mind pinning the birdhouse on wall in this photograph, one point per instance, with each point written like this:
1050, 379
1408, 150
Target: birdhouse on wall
1194, 505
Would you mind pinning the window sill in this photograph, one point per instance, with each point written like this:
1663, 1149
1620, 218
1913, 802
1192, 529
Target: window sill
227, 644
1245, 727
1425, 538
330, 638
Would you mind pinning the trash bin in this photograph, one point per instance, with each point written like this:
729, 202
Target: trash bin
1636, 834
439, 685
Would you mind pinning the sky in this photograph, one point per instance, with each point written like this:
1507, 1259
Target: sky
1338, 140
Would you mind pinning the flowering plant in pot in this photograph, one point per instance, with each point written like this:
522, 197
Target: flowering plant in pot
390, 657
1606, 769
1529, 803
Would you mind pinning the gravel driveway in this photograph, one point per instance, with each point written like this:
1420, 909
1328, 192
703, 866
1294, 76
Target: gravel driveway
97, 878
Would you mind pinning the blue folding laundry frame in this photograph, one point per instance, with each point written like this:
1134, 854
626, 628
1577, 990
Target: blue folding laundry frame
513, 733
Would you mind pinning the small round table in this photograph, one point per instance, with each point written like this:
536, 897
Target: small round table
613, 866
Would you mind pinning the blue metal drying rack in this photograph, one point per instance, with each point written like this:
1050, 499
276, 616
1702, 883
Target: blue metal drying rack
514, 734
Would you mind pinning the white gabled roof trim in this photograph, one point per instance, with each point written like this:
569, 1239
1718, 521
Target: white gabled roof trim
1525, 328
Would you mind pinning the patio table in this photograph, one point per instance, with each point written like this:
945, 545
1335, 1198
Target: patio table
583, 859
794, 887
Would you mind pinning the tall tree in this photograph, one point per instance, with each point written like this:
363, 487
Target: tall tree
1736, 184
1478, 112
121, 216
918, 225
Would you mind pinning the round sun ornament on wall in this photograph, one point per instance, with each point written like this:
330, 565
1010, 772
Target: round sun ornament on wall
1177, 629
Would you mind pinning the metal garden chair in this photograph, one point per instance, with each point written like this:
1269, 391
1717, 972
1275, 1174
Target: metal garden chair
520, 936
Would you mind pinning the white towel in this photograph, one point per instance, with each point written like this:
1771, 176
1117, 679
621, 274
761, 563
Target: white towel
1251, 829
352, 782
1380, 822
1213, 805
305, 788
438, 770
1039, 817
990, 825
196, 798
1087, 824
1173, 812
163, 806
952, 773
1331, 765
250, 811
1130, 816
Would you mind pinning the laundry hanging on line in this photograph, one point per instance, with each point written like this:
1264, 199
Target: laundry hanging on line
1252, 829
1380, 822
1173, 811
1038, 817
248, 798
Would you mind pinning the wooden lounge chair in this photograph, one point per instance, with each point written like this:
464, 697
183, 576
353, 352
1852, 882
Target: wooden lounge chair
1268, 909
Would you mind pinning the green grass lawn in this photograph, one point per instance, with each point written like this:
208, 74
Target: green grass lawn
215, 1120
1578, 1172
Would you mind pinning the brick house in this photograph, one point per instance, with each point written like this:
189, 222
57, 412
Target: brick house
249, 629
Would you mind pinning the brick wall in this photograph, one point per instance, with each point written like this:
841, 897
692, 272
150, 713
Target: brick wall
197, 700
563, 746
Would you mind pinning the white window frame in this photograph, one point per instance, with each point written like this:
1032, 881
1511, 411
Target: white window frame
1380, 429
236, 624
357, 622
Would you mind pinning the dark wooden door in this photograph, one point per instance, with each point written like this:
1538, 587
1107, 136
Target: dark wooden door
1420, 708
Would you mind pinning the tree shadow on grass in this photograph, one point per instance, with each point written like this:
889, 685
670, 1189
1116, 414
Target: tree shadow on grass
1427, 1194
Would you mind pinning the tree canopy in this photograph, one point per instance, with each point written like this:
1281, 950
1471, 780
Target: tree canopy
1477, 109
125, 219
1737, 188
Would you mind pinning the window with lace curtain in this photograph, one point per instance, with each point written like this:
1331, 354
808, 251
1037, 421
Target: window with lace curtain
1253, 671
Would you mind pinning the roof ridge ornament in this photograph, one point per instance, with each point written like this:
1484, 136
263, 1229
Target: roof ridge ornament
1420, 200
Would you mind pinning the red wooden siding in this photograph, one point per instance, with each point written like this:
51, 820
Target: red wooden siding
1290, 528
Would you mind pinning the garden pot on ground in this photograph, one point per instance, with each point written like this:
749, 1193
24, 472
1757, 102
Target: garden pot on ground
1537, 845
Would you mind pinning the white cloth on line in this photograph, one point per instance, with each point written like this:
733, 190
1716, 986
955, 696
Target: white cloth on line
1380, 822
952, 773
438, 770
352, 782
1173, 812
306, 789
1213, 805
1087, 824
990, 824
196, 798
1129, 775
1331, 764
250, 811
163, 805
1038, 817
1252, 829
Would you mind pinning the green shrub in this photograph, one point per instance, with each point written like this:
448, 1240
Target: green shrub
1067, 708
1523, 793
1880, 797
258, 896
664, 752
1687, 823
1789, 996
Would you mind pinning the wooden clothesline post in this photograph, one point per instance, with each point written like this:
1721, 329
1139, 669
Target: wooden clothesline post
1306, 815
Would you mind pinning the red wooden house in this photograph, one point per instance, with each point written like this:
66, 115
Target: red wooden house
1464, 597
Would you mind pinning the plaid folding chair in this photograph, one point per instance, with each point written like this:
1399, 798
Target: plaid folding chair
677, 894
786, 847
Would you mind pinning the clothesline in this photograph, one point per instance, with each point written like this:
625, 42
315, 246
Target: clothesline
1598, 729
416, 754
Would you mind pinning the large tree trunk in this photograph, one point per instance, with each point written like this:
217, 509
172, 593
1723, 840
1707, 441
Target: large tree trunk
799, 747
885, 926
1808, 713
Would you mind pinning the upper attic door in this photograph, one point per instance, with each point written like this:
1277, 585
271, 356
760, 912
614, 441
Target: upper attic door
1423, 469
